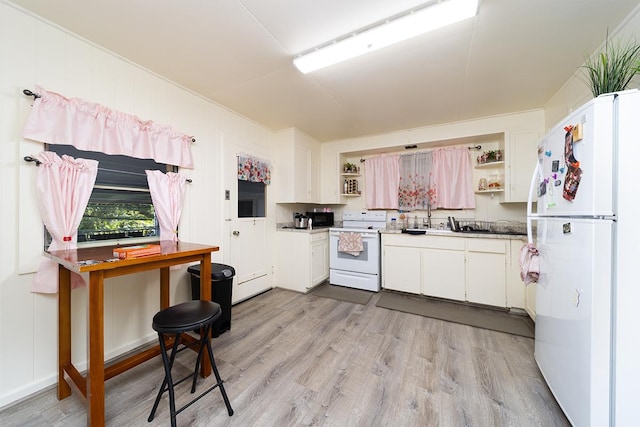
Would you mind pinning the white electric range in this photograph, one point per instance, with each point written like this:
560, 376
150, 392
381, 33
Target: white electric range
361, 271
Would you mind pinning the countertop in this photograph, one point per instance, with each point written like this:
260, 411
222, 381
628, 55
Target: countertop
428, 232
449, 233
314, 230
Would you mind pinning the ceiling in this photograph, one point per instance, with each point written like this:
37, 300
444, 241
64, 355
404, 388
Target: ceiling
513, 56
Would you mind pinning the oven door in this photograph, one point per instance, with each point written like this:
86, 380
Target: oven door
368, 261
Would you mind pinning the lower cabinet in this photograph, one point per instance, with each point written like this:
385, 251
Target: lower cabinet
319, 258
486, 271
401, 269
443, 271
302, 259
477, 270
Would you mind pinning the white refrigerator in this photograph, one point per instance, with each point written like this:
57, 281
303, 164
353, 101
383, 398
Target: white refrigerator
587, 222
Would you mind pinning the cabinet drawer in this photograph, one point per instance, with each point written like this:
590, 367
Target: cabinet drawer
424, 241
317, 237
444, 242
399, 240
495, 246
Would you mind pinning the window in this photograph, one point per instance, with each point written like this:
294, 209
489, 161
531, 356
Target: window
120, 205
251, 199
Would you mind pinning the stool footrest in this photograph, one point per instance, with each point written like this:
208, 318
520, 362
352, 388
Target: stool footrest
210, 389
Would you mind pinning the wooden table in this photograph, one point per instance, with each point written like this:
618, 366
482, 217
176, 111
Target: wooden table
91, 386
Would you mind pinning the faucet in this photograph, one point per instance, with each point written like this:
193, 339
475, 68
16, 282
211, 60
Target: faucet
428, 215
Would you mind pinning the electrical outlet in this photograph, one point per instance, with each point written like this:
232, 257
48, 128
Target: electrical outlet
227, 195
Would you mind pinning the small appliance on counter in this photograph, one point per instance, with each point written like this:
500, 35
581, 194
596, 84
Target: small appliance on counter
321, 219
300, 221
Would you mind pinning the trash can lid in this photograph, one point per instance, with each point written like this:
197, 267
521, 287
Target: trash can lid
218, 271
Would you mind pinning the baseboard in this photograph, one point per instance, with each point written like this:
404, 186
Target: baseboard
50, 381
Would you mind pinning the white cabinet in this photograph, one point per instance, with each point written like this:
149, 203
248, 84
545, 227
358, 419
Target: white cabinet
297, 173
516, 295
330, 186
319, 258
401, 269
430, 265
530, 300
443, 268
521, 154
486, 271
443, 275
519, 295
472, 269
302, 259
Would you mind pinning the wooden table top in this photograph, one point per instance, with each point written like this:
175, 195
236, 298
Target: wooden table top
101, 258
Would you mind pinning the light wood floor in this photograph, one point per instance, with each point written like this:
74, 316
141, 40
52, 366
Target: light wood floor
293, 359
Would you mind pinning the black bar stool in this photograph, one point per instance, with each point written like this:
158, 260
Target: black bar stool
176, 320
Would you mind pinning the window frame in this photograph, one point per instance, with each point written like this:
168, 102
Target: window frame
131, 188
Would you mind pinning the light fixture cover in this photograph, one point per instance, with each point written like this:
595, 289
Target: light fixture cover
404, 27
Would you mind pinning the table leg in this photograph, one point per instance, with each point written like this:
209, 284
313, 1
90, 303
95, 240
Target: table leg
205, 295
64, 329
95, 353
205, 278
165, 300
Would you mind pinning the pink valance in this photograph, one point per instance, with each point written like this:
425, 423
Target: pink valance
253, 169
88, 126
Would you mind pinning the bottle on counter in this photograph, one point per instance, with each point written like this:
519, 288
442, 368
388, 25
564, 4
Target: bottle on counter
393, 224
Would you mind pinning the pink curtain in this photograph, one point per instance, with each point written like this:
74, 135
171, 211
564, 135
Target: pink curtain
382, 180
167, 194
416, 190
64, 187
88, 126
453, 178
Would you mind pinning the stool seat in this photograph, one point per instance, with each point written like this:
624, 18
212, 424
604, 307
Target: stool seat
174, 321
186, 316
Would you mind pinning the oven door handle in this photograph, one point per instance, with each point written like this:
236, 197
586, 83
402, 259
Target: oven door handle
365, 234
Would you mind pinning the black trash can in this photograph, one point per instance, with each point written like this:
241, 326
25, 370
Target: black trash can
221, 285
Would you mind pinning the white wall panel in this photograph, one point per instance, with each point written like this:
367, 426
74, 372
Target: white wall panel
39, 53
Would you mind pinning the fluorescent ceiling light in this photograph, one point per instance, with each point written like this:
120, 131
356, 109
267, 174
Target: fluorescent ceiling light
387, 32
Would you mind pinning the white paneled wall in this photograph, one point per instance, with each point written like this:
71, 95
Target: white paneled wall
35, 52
575, 91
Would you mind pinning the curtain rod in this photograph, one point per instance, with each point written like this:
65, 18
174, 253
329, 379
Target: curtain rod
473, 147
36, 96
38, 163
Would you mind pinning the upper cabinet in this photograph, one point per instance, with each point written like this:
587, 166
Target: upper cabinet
521, 154
297, 168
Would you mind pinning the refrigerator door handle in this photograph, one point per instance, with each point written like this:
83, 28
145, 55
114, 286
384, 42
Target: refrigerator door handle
532, 187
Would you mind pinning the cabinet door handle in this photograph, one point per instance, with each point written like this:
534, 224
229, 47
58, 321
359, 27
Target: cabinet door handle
236, 233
